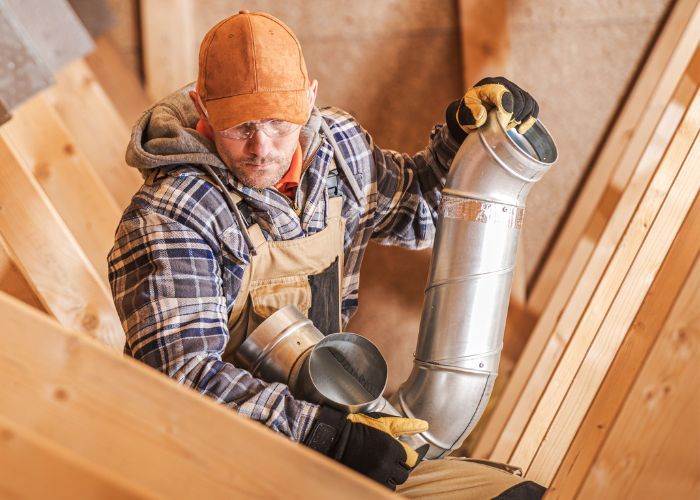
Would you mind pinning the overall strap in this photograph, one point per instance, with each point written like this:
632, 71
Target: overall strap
233, 206
340, 160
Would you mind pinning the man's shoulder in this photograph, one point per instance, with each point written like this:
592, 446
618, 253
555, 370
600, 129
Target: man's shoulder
184, 194
340, 121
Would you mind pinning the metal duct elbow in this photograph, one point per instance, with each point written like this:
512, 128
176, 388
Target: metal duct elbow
466, 299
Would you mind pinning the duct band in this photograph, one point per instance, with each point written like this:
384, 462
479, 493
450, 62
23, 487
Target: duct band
485, 212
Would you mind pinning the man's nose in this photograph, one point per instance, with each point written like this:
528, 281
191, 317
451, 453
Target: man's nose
259, 144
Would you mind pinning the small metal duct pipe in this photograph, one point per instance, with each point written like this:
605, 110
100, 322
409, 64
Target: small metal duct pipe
466, 299
343, 370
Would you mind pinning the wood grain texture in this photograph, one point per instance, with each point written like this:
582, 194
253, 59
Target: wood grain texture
40, 140
98, 130
50, 258
33, 467
651, 450
485, 39
139, 424
676, 280
169, 45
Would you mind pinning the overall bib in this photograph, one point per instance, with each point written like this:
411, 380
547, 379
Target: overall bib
306, 272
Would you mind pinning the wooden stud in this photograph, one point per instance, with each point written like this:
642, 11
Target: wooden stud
49, 257
41, 142
600, 330
166, 439
97, 128
485, 39
675, 282
546, 343
170, 50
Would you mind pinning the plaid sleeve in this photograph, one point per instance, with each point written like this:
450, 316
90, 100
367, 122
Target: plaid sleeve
167, 286
408, 190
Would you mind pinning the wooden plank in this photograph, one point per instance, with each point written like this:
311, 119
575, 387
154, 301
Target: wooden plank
139, 424
677, 282
170, 50
599, 332
42, 143
97, 128
485, 39
50, 258
34, 468
118, 80
625, 143
578, 282
12, 282
652, 450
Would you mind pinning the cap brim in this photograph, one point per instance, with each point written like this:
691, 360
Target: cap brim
289, 105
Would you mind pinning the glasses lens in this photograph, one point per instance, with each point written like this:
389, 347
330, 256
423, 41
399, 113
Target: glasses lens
278, 128
271, 128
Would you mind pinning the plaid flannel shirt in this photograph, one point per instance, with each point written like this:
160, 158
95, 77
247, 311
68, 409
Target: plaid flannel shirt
179, 256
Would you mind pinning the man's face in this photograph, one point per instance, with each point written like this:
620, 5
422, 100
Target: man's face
259, 161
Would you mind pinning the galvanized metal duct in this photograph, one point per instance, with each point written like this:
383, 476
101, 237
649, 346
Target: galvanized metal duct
466, 299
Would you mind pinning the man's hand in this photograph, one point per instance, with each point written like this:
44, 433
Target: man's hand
516, 107
368, 443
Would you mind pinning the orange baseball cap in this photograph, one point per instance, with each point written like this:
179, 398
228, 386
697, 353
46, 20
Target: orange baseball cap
251, 68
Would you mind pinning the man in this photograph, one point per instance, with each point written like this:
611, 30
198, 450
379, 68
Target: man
255, 199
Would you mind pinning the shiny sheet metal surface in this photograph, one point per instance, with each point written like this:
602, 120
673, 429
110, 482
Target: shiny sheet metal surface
343, 370
466, 298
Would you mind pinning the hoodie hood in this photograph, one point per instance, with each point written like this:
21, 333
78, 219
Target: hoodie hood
165, 135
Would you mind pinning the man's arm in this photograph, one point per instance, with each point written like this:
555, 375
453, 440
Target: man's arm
167, 285
408, 187
408, 190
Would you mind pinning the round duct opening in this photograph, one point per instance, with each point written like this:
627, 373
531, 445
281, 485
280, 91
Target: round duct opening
348, 371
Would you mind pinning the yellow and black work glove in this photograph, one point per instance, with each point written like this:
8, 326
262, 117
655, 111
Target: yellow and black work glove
368, 443
516, 108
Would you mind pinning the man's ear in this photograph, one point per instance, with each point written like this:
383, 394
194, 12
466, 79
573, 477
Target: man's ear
197, 104
311, 92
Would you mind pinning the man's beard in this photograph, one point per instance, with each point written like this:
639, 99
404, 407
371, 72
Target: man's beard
245, 172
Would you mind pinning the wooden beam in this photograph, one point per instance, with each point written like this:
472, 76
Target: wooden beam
652, 449
41, 142
675, 286
485, 39
139, 424
34, 468
97, 128
118, 80
50, 258
600, 330
577, 282
170, 50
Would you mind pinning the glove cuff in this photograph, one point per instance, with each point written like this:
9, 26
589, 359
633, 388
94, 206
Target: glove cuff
326, 430
457, 132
